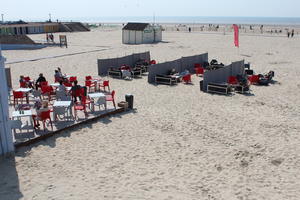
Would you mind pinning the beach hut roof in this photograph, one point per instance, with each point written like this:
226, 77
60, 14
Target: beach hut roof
135, 26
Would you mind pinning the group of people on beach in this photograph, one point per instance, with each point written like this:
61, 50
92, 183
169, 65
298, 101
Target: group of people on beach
24, 82
50, 37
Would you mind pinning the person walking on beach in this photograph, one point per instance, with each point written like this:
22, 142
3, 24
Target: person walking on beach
288, 34
293, 32
51, 37
190, 29
47, 37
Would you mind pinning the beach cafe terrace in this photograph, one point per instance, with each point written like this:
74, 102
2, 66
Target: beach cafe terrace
38, 111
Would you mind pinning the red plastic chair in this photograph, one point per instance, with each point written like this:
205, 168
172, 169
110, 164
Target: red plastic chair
44, 116
254, 79
232, 80
23, 85
90, 84
196, 65
44, 84
104, 85
111, 97
88, 78
27, 78
47, 90
153, 62
187, 78
81, 106
72, 79
199, 71
67, 84
17, 96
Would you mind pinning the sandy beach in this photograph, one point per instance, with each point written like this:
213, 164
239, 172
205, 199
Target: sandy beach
179, 143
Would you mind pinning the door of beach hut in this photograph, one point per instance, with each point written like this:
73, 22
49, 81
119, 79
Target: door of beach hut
132, 35
6, 138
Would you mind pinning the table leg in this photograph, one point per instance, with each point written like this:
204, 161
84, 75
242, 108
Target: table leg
27, 98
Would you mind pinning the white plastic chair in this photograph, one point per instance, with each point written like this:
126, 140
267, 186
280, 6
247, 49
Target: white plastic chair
100, 101
36, 94
59, 111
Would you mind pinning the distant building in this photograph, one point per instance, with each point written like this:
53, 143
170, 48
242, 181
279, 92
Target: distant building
141, 33
40, 27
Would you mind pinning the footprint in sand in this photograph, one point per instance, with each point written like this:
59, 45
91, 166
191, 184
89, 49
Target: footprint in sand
277, 162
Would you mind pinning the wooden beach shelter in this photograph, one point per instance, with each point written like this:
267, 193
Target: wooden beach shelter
141, 33
6, 138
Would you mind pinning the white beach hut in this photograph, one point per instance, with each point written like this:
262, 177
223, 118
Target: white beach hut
141, 33
6, 139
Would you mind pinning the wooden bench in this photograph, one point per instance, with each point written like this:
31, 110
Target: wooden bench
218, 88
165, 79
115, 73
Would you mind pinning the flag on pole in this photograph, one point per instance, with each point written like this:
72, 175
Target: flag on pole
236, 35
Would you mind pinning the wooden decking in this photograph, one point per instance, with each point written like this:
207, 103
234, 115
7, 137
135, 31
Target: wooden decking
28, 135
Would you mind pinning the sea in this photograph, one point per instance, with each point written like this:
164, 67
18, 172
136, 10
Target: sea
195, 20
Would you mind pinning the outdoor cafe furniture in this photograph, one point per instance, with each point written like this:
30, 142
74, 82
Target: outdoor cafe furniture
165, 79
25, 91
91, 85
187, 79
54, 84
111, 97
136, 72
62, 108
242, 89
117, 73
44, 117
104, 85
17, 118
219, 88
98, 99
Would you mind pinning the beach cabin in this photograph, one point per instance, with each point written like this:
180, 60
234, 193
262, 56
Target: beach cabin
141, 33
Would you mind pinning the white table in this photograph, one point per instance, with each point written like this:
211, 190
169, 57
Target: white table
54, 84
25, 113
17, 114
64, 104
95, 96
26, 91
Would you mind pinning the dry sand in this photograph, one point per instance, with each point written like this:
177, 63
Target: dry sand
179, 143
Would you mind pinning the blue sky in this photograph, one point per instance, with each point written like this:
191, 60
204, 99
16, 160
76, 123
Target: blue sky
68, 9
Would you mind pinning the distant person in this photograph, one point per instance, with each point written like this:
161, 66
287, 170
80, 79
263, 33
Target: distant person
39, 81
51, 36
262, 28
293, 32
288, 34
190, 30
39, 110
61, 87
57, 76
47, 37
74, 90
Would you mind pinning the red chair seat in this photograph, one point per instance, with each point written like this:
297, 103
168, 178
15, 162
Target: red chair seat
79, 107
109, 98
232, 80
187, 78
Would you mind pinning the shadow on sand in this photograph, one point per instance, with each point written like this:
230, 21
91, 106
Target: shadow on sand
9, 180
51, 141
